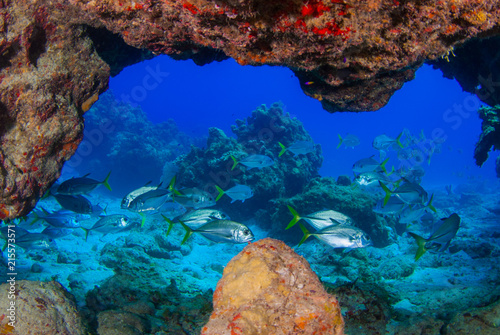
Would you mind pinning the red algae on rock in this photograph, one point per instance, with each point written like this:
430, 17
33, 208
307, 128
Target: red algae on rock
269, 289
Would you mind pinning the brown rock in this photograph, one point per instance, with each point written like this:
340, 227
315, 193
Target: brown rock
269, 289
41, 308
484, 321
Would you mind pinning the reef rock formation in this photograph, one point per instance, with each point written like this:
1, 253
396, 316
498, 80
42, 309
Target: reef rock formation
42, 308
490, 135
268, 289
258, 134
49, 76
357, 55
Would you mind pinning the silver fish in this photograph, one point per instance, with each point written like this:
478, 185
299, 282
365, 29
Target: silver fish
254, 161
75, 186
384, 142
199, 217
339, 236
134, 194
320, 219
349, 141
238, 192
369, 165
409, 193
441, 238
109, 223
370, 179
31, 241
297, 148
221, 231
150, 201
194, 198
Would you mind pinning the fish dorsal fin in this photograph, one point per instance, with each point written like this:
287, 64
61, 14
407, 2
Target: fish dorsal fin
88, 174
159, 185
149, 182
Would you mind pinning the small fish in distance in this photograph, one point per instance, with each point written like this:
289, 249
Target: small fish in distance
297, 148
238, 192
349, 141
253, 161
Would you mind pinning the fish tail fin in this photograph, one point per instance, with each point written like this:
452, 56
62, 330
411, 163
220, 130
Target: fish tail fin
235, 162
421, 245
106, 183
398, 140
388, 192
306, 234
340, 141
382, 165
87, 231
283, 149
37, 217
170, 224
295, 219
171, 187
45, 212
47, 194
429, 204
189, 232
143, 219
105, 208
221, 193
390, 173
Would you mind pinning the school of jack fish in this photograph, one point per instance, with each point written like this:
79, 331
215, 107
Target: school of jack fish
399, 195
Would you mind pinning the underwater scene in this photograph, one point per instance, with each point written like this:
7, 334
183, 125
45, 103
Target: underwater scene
181, 167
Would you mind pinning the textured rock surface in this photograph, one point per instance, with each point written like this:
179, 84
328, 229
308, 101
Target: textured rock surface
42, 308
357, 54
268, 289
490, 135
41, 107
484, 320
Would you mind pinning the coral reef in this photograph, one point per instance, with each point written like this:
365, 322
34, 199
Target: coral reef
258, 134
321, 193
490, 135
357, 54
42, 308
268, 289
117, 136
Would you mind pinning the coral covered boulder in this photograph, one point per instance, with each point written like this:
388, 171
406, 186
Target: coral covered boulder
269, 289
259, 134
41, 308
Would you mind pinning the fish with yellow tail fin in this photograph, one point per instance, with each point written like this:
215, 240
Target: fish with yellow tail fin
320, 219
339, 236
221, 231
81, 185
297, 148
441, 238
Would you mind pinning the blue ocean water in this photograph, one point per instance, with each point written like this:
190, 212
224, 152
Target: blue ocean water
431, 109
215, 95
